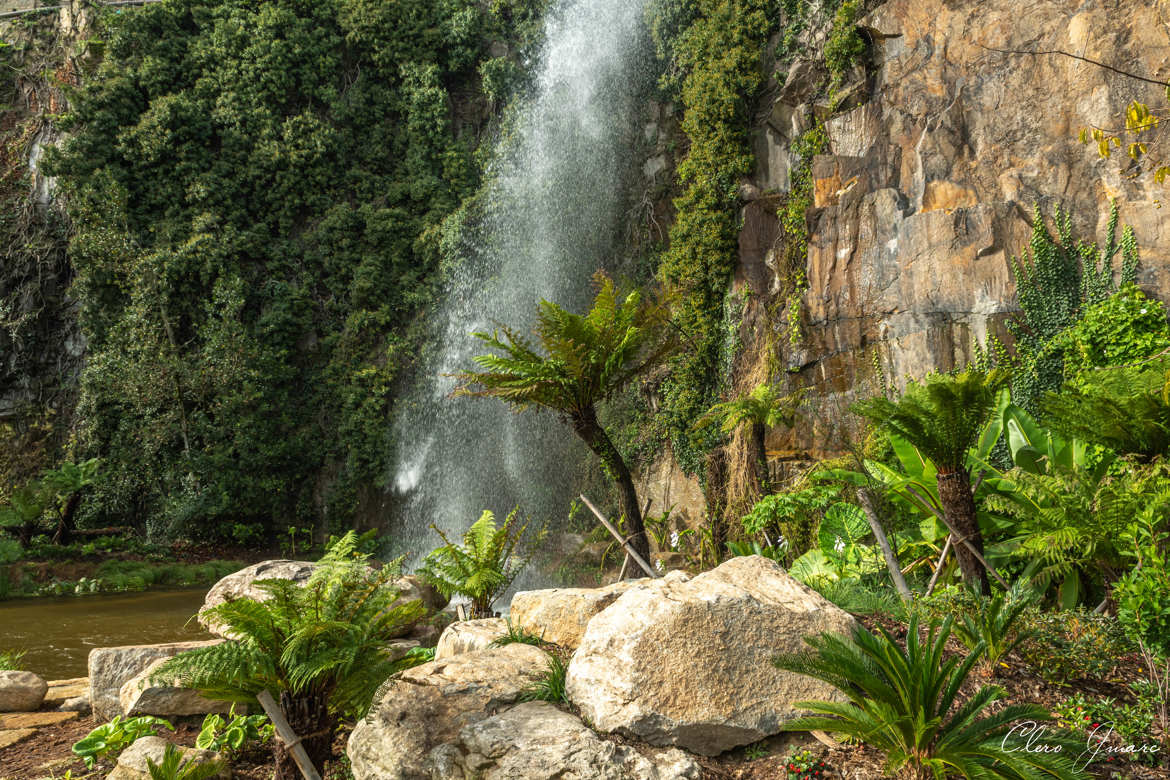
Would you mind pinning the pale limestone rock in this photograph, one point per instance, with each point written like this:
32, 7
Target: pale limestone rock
146, 695
112, 667
429, 705
466, 636
132, 762
537, 741
559, 615
61, 691
242, 584
21, 691
687, 661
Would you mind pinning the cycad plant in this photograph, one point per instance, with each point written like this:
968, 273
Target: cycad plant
485, 564
993, 628
903, 699
942, 417
763, 408
319, 647
580, 362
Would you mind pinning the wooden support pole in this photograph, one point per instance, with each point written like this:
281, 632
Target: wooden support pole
638, 559
287, 736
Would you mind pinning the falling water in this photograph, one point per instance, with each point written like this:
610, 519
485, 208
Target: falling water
552, 216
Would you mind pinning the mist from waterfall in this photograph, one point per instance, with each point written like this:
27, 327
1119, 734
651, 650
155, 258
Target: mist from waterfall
552, 214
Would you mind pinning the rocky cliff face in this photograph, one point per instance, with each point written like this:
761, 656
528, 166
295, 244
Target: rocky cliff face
931, 181
941, 151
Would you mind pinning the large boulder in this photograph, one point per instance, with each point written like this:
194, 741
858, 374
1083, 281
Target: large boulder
21, 691
429, 705
559, 615
688, 661
112, 667
242, 584
536, 741
132, 762
467, 636
149, 694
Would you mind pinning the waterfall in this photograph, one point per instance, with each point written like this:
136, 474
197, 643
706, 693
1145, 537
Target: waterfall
552, 214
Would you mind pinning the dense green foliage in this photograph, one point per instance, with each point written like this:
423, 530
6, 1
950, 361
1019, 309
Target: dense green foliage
1055, 280
256, 189
319, 647
902, 699
713, 50
486, 563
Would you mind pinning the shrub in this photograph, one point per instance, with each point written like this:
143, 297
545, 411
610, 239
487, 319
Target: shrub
1072, 644
902, 699
485, 564
845, 43
218, 733
320, 647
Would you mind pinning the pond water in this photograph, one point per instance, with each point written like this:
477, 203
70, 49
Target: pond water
57, 634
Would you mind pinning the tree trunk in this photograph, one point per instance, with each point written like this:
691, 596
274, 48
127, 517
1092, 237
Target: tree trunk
958, 502
65, 524
589, 429
879, 534
309, 717
759, 436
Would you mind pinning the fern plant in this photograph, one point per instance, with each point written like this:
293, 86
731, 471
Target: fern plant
1125, 409
320, 647
903, 699
582, 360
485, 564
763, 408
993, 625
943, 418
173, 767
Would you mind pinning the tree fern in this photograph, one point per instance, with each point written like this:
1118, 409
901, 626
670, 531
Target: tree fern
903, 699
320, 647
486, 563
581, 360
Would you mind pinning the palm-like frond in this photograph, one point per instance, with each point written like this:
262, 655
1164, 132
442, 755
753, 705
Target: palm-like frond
901, 699
487, 561
993, 625
1124, 409
327, 636
581, 359
764, 405
942, 416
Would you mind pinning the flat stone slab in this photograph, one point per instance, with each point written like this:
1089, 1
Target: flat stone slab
66, 689
61, 691
32, 720
13, 736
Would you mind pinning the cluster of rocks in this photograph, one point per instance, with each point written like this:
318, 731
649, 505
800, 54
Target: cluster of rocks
29, 703
675, 666
680, 664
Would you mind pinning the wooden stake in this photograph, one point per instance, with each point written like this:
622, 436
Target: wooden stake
287, 736
638, 559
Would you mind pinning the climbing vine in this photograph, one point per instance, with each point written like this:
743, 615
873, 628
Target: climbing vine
257, 190
714, 50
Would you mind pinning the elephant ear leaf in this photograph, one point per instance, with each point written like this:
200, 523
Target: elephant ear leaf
843, 522
813, 566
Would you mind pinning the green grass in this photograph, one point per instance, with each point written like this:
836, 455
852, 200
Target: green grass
10, 660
